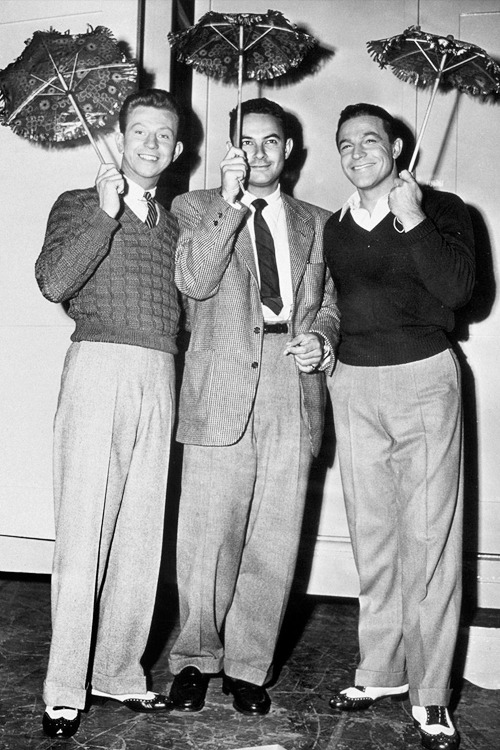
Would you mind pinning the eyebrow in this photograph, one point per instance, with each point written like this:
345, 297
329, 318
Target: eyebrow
368, 132
270, 135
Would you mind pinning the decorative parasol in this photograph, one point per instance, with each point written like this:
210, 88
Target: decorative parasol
62, 85
421, 58
242, 45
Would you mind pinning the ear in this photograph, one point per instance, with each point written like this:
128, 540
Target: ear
397, 147
179, 148
288, 147
119, 142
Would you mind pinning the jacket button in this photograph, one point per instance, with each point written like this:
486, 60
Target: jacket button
215, 223
255, 365
256, 329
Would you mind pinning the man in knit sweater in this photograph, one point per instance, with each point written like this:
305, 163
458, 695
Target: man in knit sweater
109, 254
402, 260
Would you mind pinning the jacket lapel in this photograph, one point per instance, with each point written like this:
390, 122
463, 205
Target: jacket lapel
300, 237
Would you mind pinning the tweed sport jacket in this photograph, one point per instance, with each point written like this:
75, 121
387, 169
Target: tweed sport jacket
216, 272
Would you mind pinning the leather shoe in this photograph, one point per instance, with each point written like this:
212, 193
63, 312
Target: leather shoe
141, 704
189, 689
249, 699
436, 728
60, 725
360, 698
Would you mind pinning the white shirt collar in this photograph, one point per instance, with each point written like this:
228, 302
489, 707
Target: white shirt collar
247, 198
353, 203
136, 192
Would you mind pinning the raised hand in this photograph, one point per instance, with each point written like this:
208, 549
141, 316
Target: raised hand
110, 185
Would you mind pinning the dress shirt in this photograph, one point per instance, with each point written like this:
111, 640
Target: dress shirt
361, 216
134, 198
274, 215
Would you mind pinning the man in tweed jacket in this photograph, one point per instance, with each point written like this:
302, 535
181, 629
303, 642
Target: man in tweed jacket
250, 414
109, 253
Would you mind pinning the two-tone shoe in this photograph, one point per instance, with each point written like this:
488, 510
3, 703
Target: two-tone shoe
360, 698
141, 703
435, 727
249, 699
189, 689
60, 721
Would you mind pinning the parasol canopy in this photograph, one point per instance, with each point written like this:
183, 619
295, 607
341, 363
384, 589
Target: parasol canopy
63, 85
422, 58
242, 45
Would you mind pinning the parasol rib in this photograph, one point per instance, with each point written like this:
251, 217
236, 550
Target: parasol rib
77, 109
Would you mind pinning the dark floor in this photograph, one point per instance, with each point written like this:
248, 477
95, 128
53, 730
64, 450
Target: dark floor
317, 653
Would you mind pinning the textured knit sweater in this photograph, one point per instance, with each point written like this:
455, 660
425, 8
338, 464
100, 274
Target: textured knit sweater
397, 292
116, 274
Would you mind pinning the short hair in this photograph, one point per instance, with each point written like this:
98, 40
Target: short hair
370, 110
157, 98
260, 106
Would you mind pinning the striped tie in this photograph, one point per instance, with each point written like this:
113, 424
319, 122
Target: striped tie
152, 216
269, 278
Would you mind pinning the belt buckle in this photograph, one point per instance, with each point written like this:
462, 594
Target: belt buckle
275, 327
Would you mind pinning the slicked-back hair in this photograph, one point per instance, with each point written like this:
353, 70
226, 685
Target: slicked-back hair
259, 107
370, 110
157, 98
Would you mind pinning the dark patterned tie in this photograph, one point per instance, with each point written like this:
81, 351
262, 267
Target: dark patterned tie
152, 216
269, 279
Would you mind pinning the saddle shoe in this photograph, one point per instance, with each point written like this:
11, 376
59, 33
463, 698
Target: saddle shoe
436, 728
139, 702
360, 698
60, 721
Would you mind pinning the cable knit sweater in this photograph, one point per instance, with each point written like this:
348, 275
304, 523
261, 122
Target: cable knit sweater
397, 292
116, 274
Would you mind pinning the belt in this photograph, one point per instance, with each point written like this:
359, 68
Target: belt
275, 327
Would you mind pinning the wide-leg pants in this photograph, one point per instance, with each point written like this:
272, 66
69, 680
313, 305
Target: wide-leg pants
112, 437
399, 438
240, 517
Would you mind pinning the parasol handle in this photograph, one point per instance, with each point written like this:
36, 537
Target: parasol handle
240, 87
428, 111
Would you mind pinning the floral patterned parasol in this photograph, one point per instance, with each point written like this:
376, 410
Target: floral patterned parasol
62, 85
242, 45
422, 58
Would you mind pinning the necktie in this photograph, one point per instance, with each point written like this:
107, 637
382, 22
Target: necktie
269, 279
152, 216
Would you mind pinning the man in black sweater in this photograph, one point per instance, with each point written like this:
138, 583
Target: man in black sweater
402, 260
109, 253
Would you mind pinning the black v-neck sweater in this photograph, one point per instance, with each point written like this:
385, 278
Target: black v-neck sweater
397, 292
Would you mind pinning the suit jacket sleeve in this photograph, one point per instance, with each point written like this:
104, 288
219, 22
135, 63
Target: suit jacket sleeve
208, 228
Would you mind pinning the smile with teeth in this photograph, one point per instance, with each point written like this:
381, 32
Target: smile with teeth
362, 166
148, 157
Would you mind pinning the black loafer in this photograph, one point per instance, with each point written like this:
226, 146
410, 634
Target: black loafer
189, 689
345, 703
249, 699
60, 727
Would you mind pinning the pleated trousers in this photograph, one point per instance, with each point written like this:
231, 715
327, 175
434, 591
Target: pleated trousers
399, 438
240, 517
112, 436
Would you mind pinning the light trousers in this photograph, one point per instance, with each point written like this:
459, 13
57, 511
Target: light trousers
112, 437
240, 517
399, 438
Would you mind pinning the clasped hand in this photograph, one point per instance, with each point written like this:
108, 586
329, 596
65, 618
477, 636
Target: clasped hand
405, 200
110, 185
307, 349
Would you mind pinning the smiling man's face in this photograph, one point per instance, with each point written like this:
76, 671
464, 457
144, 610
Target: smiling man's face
264, 143
367, 156
149, 144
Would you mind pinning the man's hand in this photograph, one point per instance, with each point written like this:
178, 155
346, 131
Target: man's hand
307, 348
405, 200
233, 168
110, 185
